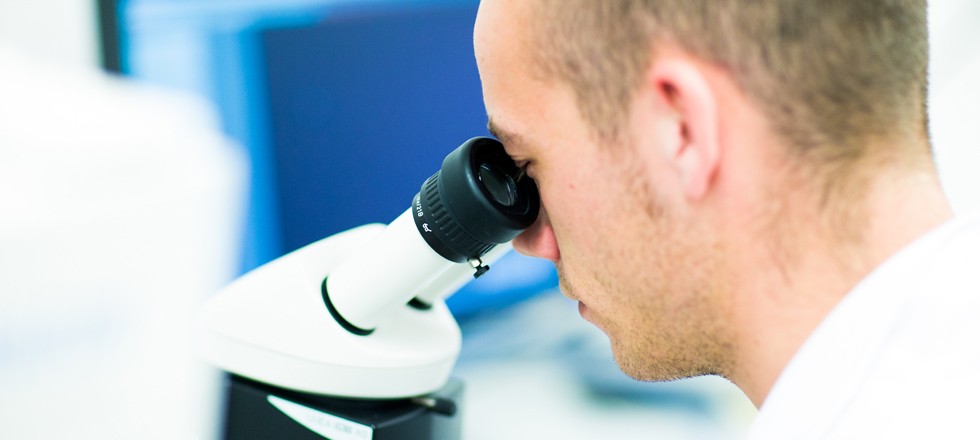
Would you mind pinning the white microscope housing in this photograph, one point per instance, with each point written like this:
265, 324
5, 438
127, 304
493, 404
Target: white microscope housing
272, 326
359, 316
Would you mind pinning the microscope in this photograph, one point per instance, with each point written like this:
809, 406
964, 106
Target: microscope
349, 338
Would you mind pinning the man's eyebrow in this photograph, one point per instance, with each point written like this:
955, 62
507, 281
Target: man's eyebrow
502, 135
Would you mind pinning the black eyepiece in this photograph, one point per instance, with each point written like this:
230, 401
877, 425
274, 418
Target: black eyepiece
479, 199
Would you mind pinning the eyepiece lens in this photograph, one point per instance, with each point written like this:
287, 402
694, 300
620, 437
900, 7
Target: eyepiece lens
501, 186
475, 201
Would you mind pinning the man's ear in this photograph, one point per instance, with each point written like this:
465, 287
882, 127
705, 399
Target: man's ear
688, 108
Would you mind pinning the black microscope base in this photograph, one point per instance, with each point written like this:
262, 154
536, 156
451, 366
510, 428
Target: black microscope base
256, 411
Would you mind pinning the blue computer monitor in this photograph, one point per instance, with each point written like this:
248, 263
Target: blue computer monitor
345, 106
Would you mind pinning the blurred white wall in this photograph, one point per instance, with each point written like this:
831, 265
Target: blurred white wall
954, 104
64, 31
120, 212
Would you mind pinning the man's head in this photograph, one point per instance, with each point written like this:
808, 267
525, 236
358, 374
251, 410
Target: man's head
668, 139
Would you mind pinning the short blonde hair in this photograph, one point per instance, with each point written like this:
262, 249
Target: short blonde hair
829, 74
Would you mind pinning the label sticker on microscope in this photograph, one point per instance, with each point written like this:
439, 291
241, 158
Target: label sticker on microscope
327, 425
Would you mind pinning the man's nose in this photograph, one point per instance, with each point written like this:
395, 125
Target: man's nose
539, 240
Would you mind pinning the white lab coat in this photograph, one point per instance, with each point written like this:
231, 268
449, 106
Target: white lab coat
899, 357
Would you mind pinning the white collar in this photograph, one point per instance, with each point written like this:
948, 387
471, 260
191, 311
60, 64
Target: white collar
822, 378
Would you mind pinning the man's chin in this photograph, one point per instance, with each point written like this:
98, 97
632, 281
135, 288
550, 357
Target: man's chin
639, 367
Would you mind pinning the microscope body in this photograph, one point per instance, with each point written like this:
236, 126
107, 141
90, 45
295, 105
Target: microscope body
293, 367
349, 338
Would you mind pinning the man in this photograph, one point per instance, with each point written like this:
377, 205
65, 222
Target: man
746, 188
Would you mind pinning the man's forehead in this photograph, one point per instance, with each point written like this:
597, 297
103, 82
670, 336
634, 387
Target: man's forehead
501, 23
510, 91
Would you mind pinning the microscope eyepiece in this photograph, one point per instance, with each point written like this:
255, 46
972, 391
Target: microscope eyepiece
475, 202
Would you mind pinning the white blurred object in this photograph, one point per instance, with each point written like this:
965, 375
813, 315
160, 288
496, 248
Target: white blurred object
64, 31
271, 326
954, 98
119, 214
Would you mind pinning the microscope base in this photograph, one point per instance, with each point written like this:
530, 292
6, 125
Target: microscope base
259, 411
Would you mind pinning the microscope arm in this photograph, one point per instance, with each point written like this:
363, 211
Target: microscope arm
272, 326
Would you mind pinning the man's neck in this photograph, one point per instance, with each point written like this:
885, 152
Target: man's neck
780, 303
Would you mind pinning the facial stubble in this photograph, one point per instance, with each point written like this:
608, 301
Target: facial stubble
660, 278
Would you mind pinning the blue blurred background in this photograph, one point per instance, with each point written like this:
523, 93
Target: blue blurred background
345, 108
